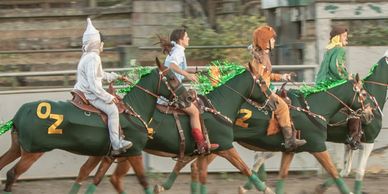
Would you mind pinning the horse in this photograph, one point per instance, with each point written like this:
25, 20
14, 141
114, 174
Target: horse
181, 164
375, 83
251, 133
44, 125
238, 88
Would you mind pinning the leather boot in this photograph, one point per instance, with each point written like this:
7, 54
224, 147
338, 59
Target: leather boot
202, 146
290, 141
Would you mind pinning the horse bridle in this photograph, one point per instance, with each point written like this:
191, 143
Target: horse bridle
248, 99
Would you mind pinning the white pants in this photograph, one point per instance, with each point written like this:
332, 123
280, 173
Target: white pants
113, 120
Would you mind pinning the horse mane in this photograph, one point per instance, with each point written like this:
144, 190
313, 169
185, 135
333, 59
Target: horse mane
307, 90
134, 75
4, 127
216, 74
372, 70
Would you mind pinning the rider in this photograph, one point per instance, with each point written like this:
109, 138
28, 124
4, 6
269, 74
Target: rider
333, 65
263, 43
333, 68
176, 60
89, 81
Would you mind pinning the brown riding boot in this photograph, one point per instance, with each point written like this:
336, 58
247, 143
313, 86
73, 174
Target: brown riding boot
199, 139
290, 141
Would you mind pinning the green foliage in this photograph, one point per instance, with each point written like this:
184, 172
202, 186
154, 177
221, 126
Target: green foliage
235, 30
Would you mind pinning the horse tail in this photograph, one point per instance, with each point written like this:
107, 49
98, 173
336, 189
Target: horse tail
6, 127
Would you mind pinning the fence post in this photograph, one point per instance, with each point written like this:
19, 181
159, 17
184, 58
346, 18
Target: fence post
128, 55
308, 75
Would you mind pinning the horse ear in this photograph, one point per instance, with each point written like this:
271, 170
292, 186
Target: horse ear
357, 78
250, 67
157, 61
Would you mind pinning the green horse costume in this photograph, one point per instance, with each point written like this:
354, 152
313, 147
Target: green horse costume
375, 83
227, 99
313, 129
46, 125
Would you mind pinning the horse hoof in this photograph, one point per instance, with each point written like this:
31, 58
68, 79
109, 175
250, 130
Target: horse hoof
268, 191
241, 190
158, 188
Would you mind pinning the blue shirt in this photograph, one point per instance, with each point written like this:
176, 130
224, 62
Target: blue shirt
177, 56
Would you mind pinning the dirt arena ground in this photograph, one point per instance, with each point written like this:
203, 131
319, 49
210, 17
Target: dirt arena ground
218, 183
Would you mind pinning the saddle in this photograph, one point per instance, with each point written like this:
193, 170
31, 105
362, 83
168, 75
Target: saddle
79, 100
273, 127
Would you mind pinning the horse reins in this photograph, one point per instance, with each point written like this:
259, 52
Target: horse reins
248, 100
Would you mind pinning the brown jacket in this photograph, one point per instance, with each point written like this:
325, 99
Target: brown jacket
266, 74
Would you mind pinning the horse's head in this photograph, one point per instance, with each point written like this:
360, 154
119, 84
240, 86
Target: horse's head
176, 92
264, 91
365, 110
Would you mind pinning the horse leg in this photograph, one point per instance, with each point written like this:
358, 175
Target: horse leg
195, 173
325, 160
25, 162
258, 168
173, 175
202, 164
349, 153
138, 167
348, 161
106, 162
234, 158
84, 172
121, 170
194, 177
283, 173
13, 152
362, 161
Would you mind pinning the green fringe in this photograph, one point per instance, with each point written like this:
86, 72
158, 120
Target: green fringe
6, 127
134, 75
371, 70
320, 87
227, 70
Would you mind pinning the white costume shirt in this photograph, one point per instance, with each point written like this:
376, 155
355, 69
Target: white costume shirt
90, 76
177, 56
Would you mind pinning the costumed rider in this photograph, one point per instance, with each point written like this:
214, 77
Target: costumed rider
332, 69
333, 66
262, 44
89, 80
176, 61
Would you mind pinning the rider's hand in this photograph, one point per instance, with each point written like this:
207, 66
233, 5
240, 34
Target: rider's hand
192, 77
288, 76
123, 78
114, 100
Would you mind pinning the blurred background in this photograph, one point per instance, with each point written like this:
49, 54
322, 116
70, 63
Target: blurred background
40, 46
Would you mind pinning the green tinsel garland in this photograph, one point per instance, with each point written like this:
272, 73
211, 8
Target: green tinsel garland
134, 75
371, 71
322, 86
6, 127
227, 70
